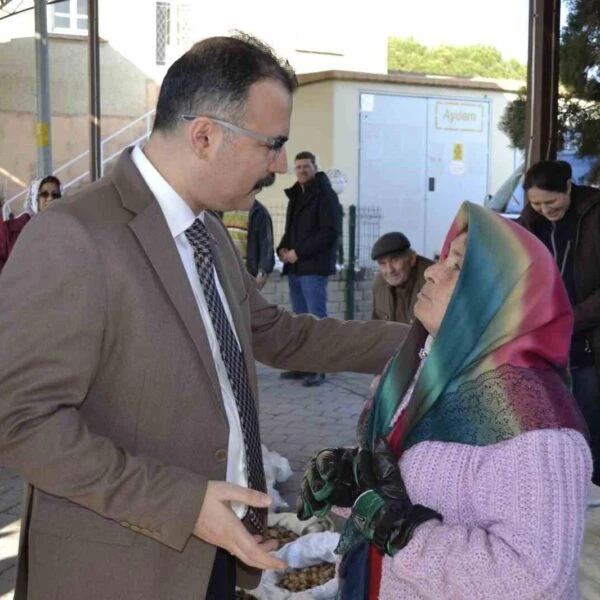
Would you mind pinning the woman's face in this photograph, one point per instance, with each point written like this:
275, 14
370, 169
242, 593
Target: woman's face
440, 281
46, 194
552, 205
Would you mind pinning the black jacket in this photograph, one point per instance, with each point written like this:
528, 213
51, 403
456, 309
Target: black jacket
312, 227
260, 254
586, 261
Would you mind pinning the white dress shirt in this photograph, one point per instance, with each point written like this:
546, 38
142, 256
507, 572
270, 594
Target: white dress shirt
179, 217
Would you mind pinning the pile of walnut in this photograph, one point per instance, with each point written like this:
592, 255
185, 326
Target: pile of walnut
282, 535
305, 579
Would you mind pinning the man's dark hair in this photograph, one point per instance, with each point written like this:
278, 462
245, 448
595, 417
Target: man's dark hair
213, 78
306, 154
50, 179
549, 175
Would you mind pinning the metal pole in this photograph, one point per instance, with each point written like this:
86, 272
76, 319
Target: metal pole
350, 272
542, 81
94, 75
43, 138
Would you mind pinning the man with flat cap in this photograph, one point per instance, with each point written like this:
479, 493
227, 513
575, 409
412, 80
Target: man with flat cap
400, 277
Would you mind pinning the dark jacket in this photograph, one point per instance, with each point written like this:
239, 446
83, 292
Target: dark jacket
395, 303
312, 227
260, 254
9, 232
586, 260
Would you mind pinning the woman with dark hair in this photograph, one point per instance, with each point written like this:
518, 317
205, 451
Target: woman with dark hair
566, 218
473, 469
49, 190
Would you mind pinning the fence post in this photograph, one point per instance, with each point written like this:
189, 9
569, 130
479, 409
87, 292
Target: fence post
350, 269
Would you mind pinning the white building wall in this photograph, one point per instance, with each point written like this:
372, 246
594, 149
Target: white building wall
320, 36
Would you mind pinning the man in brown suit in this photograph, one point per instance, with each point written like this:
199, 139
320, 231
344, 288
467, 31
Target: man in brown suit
117, 401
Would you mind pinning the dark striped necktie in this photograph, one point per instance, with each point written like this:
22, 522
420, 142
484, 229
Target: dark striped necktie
233, 359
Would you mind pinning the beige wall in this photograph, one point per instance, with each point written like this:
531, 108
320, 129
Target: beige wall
311, 129
126, 93
125, 90
18, 156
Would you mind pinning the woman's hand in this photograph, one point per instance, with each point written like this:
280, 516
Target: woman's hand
328, 481
384, 514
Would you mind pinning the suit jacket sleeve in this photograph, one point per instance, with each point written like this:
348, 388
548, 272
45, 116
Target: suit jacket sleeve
305, 343
53, 311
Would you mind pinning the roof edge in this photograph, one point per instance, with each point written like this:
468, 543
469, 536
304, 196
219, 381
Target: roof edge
496, 85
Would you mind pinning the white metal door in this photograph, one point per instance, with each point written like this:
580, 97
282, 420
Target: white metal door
457, 163
392, 166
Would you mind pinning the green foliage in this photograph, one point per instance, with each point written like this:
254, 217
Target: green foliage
512, 123
580, 49
406, 54
578, 118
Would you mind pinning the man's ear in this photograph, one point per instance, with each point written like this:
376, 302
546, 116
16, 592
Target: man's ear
204, 137
413, 258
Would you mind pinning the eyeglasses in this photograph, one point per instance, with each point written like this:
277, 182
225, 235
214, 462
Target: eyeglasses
275, 144
46, 194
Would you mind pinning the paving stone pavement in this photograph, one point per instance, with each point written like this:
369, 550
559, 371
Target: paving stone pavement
295, 422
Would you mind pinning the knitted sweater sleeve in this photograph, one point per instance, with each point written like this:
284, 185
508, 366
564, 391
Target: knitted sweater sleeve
513, 520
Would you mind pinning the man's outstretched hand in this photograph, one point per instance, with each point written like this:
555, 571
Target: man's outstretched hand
218, 525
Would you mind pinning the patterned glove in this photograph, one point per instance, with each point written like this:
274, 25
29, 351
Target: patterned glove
328, 481
384, 515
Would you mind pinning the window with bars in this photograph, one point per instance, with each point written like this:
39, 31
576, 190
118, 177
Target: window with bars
163, 31
173, 33
70, 16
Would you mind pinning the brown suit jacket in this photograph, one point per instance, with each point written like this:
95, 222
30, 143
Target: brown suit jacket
110, 405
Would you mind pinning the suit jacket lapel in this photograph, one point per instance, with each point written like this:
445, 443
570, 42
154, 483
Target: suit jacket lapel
151, 230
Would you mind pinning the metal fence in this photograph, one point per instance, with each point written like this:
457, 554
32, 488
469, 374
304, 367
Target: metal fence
368, 229
368, 226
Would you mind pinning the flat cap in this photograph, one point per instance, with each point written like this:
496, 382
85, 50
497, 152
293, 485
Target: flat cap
390, 243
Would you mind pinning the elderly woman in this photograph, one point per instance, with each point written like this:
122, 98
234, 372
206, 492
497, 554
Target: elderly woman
473, 471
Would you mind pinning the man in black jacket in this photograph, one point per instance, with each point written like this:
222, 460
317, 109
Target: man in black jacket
308, 246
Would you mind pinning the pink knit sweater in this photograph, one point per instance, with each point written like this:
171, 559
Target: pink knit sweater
513, 520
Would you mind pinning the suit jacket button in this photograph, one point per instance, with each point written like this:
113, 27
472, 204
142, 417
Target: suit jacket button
221, 454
